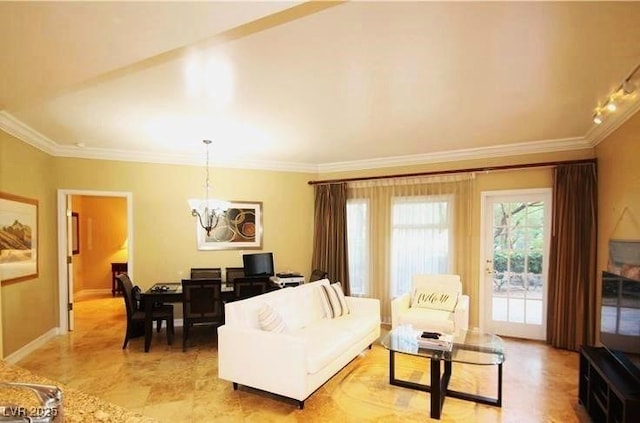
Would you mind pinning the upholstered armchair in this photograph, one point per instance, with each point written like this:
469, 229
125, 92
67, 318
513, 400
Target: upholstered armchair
435, 304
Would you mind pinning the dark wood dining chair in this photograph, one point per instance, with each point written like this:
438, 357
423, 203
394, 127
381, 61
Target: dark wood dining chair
206, 273
136, 312
201, 304
233, 273
247, 287
318, 274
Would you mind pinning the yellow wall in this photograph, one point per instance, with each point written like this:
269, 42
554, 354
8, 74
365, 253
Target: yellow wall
30, 308
164, 247
618, 187
103, 231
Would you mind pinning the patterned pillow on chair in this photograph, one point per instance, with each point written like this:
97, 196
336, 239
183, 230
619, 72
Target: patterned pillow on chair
436, 300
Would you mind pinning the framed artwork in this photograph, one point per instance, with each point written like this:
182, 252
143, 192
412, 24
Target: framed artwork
18, 238
239, 229
75, 233
624, 258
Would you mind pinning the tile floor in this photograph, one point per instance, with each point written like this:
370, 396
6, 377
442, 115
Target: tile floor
540, 383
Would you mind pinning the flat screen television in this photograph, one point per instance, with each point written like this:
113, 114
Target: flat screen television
620, 320
260, 264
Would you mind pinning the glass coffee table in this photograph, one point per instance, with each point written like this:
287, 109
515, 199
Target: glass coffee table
471, 347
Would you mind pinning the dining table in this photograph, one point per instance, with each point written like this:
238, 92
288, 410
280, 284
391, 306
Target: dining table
168, 292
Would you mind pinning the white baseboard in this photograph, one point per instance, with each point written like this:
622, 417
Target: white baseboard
84, 293
32, 346
18, 355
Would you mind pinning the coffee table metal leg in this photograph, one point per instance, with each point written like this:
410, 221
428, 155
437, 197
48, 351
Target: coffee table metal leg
499, 401
392, 367
436, 401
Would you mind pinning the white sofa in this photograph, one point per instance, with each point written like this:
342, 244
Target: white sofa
438, 317
313, 348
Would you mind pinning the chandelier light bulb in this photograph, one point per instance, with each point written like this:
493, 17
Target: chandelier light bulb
208, 211
611, 106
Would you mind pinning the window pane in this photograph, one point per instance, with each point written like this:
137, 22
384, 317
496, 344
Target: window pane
534, 312
420, 240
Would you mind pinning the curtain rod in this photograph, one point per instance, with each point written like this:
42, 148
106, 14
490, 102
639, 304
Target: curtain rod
448, 172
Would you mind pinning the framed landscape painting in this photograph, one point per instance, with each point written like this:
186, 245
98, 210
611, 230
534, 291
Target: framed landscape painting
240, 228
18, 238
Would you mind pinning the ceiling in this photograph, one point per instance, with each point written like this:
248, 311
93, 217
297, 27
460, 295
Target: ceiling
313, 86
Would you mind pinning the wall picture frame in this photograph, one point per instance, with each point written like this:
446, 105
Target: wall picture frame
18, 238
239, 229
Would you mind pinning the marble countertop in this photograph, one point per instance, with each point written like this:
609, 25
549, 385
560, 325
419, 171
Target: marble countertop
77, 406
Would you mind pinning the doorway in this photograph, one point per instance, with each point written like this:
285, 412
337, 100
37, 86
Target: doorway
68, 242
515, 234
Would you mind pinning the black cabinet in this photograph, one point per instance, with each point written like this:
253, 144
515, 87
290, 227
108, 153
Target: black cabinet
116, 269
607, 391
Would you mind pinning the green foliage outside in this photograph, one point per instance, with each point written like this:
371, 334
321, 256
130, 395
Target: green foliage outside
515, 262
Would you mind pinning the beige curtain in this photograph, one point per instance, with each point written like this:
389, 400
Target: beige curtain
330, 233
571, 320
379, 197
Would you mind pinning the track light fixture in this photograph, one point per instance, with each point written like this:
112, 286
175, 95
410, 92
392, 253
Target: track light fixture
597, 118
611, 105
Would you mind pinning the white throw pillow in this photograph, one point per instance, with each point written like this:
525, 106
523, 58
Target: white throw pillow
270, 320
334, 302
435, 299
326, 304
343, 301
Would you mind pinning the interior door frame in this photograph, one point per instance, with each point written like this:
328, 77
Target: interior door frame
63, 243
484, 291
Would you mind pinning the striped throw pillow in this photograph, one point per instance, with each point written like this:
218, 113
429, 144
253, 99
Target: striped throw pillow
334, 302
270, 320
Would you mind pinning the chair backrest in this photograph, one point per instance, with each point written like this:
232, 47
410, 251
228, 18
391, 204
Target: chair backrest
250, 287
202, 300
234, 273
442, 282
318, 274
126, 287
206, 273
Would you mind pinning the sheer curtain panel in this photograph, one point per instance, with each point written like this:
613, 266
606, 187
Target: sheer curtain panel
405, 226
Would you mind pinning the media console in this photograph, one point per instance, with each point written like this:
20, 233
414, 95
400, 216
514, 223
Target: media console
607, 390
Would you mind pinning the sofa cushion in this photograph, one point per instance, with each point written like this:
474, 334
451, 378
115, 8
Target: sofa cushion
437, 299
308, 307
270, 320
326, 339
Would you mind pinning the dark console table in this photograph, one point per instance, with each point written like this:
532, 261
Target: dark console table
606, 390
116, 269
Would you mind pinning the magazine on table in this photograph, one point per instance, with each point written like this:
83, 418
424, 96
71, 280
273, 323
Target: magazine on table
435, 340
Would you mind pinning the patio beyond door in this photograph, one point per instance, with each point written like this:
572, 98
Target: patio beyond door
516, 228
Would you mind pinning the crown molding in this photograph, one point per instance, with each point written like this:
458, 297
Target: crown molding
13, 126
564, 144
179, 159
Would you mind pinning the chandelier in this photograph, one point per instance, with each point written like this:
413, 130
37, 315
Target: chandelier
209, 211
